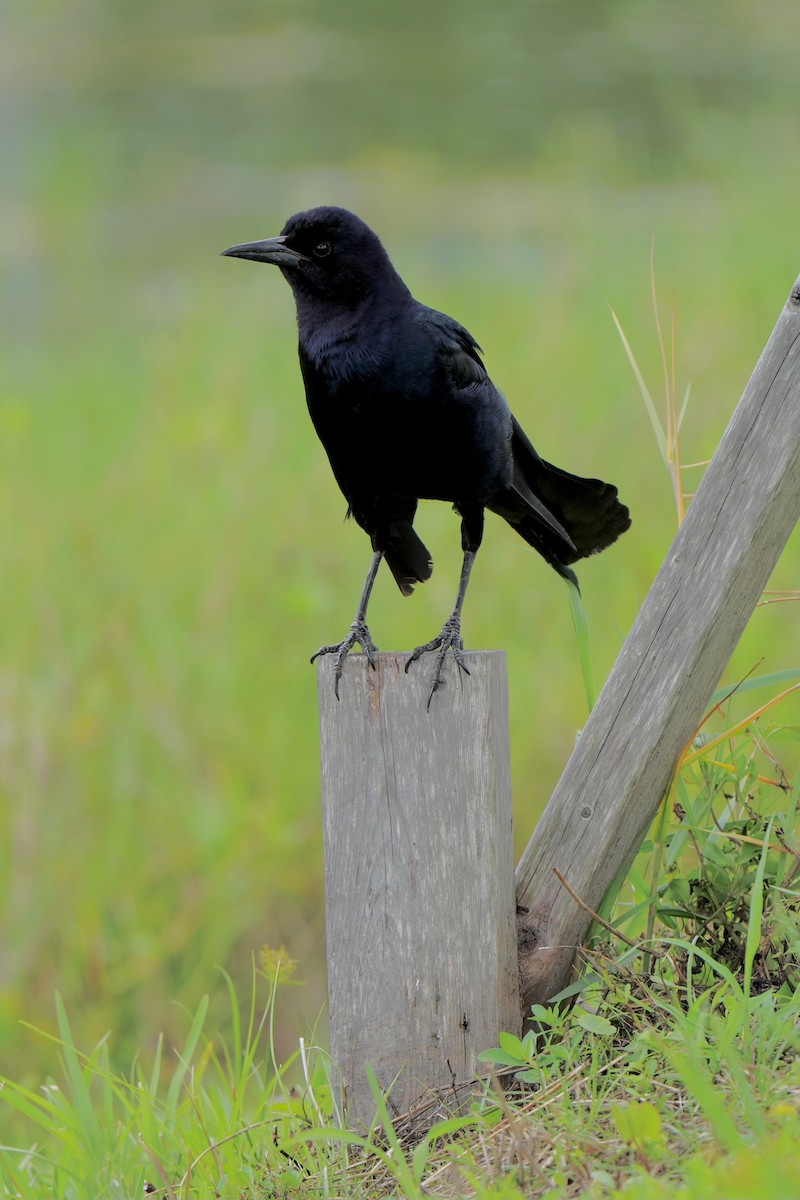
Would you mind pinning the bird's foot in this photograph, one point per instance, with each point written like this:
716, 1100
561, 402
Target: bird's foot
449, 639
358, 634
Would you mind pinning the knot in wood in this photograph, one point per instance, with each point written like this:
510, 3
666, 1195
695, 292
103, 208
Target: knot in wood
526, 940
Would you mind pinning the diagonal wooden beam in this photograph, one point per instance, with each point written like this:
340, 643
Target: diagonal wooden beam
737, 525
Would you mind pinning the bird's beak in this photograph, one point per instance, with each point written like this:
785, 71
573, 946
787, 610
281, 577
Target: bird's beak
271, 250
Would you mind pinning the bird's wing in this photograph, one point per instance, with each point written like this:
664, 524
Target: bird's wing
457, 347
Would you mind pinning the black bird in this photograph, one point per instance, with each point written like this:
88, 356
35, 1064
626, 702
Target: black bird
403, 405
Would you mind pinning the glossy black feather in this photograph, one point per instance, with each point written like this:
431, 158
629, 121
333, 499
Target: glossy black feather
405, 409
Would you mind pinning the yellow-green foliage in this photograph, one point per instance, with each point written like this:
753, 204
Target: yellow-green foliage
171, 540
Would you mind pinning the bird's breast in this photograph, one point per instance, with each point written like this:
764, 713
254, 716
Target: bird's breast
392, 421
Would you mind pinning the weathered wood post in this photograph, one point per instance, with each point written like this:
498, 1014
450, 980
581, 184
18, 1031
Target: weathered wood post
737, 525
419, 879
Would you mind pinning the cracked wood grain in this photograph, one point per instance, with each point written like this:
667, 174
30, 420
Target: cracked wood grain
419, 877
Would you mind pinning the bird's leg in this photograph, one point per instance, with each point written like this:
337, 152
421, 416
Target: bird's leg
358, 630
450, 637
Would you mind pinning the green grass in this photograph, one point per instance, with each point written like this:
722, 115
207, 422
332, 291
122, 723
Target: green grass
674, 1074
171, 543
173, 551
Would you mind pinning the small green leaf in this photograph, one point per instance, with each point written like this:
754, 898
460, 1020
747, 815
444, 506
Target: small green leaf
529, 1042
532, 1076
545, 1016
500, 1059
512, 1045
638, 1124
594, 1023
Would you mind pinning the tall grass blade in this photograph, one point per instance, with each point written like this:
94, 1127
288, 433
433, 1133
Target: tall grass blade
755, 916
655, 421
79, 1089
400, 1167
774, 679
185, 1059
581, 626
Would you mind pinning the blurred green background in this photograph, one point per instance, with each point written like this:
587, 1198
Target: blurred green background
172, 546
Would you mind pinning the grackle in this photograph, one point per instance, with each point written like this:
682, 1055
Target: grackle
403, 405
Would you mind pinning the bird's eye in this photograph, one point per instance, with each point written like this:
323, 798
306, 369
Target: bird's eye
322, 249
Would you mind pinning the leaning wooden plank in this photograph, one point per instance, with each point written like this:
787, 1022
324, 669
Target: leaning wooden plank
419, 879
739, 522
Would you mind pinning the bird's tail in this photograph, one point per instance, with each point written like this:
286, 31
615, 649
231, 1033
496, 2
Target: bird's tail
407, 557
565, 517
588, 509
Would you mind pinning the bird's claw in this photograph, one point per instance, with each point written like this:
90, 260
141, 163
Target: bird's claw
449, 639
359, 634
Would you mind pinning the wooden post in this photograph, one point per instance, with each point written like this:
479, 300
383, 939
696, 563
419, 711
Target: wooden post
737, 525
419, 879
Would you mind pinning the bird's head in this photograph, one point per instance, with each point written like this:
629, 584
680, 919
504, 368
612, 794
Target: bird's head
326, 254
